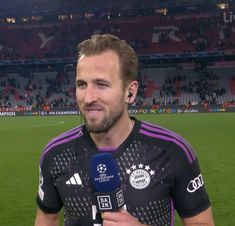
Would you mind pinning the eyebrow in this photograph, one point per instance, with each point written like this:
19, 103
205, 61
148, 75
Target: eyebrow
101, 80
94, 80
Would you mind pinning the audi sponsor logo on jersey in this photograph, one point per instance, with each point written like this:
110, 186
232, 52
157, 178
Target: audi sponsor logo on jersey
195, 184
140, 175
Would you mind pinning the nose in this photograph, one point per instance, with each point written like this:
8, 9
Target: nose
90, 95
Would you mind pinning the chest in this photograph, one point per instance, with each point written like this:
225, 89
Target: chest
145, 175
146, 180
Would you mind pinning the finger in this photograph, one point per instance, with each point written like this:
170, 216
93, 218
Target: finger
109, 223
112, 216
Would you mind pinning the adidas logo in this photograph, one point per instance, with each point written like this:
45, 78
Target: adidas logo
75, 180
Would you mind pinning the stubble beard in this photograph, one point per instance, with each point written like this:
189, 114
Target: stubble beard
106, 123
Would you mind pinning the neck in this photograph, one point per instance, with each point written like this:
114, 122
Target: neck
115, 135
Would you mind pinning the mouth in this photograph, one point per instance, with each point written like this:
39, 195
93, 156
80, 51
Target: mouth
92, 111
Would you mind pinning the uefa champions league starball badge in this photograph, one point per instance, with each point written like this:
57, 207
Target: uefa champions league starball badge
101, 168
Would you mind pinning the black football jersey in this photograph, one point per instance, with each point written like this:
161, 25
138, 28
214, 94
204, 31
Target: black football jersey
158, 169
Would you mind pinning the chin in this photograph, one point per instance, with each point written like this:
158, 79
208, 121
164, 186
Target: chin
95, 129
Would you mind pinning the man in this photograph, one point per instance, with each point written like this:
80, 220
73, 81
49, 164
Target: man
106, 83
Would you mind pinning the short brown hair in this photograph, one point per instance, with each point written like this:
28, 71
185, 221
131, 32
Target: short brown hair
98, 44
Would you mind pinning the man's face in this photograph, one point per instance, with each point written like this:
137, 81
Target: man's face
99, 91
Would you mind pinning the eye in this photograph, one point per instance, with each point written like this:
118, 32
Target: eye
81, 85
102, 85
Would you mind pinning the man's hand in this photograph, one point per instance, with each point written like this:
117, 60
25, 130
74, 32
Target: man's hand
120, 218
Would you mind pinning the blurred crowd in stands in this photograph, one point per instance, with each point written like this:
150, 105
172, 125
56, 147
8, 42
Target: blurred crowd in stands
147, 34
145, 30
57, 89
23, 91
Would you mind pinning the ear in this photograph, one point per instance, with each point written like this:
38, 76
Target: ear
131, 91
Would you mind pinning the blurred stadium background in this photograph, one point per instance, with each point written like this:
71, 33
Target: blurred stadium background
186, 52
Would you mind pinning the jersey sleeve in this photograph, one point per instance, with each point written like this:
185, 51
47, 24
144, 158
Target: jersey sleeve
189, 193
48, 199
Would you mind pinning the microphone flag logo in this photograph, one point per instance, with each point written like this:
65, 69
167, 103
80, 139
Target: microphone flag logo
104, 202
120, 198
110, 200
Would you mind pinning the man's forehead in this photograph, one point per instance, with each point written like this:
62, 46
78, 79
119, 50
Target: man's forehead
110, 54
98, 62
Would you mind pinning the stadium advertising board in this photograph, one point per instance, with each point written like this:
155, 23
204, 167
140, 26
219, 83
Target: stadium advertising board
58, 112
132, 111
7, 114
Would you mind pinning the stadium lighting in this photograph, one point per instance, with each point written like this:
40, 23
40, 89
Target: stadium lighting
11, 20
222, 6
163, 11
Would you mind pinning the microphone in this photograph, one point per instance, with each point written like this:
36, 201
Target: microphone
108, 190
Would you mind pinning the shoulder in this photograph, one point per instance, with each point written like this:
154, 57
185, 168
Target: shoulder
171, 140
61, 140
